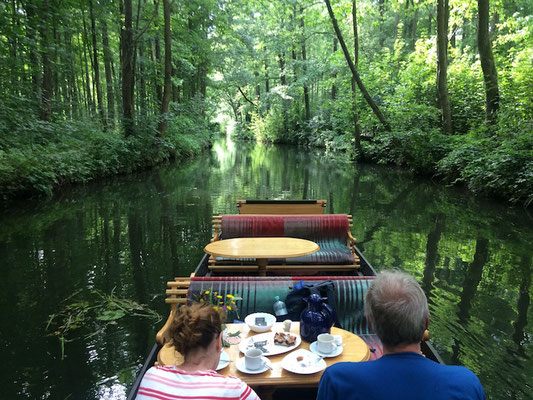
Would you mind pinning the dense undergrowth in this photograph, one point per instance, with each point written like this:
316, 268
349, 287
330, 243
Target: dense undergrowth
37, 157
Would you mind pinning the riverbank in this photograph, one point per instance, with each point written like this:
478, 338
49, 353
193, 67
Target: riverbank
499, 166
490, 161
37, 158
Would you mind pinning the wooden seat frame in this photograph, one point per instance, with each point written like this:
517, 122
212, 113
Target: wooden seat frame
281, 207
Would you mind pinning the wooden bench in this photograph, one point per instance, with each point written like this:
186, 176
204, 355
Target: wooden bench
258, 296
330, 231
177, 293
279, 207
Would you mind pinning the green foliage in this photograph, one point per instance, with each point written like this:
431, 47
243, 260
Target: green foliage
489, 164
417, 150
42, 156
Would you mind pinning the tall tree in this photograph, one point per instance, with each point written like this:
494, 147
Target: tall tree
128, 70
47, 81
355, 115
168, 69
108, 59
490, 76
304, 67
96, 67
355, 74
157, 45
442, 65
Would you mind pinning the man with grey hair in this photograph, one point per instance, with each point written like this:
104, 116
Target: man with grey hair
396, 308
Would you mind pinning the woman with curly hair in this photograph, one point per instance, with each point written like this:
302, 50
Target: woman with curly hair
196, 333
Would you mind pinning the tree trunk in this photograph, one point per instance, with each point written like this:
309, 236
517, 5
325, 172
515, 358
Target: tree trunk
355, 115
282, 76
142, 79
267, 83
108, 58
257, 85
87, 80
396, 22
381, 6
71, 75
442, 63
31, 34
490, 76
168, 70
334, 75
355, 74
47, 89
96, 66
304, 66
128, 72
158, 90
414, 24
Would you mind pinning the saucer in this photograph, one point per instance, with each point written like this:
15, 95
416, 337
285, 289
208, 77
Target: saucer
241, 366
302, 361
334, 353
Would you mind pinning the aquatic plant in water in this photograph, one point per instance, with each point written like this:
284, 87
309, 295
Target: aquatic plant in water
97, 312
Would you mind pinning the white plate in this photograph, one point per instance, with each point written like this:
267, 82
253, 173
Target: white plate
310, 364
224, 360
271, 348
334, 353
241, 366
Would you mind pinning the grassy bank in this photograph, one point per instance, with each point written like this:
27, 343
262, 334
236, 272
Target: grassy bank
36, 158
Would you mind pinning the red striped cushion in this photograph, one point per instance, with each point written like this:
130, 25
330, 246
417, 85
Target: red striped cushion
312, 227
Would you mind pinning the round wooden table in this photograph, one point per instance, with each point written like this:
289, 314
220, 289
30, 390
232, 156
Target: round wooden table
262, 248
355, 349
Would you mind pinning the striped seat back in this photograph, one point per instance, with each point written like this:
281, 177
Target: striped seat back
311, 227
258, 294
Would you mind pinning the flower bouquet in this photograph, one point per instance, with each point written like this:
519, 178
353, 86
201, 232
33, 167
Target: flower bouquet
225, 305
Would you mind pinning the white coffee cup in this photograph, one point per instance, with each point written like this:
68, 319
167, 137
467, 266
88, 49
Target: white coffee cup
326, 343
253, 359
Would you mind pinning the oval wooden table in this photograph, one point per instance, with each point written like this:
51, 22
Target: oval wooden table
355, 350
262, 248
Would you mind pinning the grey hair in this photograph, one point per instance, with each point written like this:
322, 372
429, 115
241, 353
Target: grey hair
397, 308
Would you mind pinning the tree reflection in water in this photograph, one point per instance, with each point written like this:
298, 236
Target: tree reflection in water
472, 257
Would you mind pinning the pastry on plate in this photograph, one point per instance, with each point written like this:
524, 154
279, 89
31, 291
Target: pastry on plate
284, 339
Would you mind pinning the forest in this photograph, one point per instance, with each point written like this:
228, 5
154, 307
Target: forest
93, 88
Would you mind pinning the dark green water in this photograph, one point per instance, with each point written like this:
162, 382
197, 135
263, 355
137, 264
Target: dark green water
473, 258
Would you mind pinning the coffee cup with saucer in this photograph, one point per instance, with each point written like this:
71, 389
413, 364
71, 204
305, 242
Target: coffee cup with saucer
326, 345
253, 362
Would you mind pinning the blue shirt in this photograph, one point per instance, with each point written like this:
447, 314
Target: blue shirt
408, 376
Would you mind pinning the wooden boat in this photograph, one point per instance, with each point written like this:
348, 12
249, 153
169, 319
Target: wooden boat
239, 269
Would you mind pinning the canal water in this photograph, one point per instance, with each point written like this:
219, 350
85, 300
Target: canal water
129, 235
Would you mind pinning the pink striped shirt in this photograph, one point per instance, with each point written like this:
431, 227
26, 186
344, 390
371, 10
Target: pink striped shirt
171, 383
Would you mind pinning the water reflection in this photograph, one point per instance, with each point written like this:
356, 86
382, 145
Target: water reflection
472, 257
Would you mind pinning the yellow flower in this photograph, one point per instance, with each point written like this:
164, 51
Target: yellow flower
229, 307
215, 307
229, 296
207, 292
219, 297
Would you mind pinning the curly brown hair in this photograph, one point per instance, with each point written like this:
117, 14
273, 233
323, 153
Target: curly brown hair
194, 326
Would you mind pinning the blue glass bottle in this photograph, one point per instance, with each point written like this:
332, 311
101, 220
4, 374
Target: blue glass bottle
317, 318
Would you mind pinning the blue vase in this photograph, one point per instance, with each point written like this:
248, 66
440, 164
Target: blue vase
317, 318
